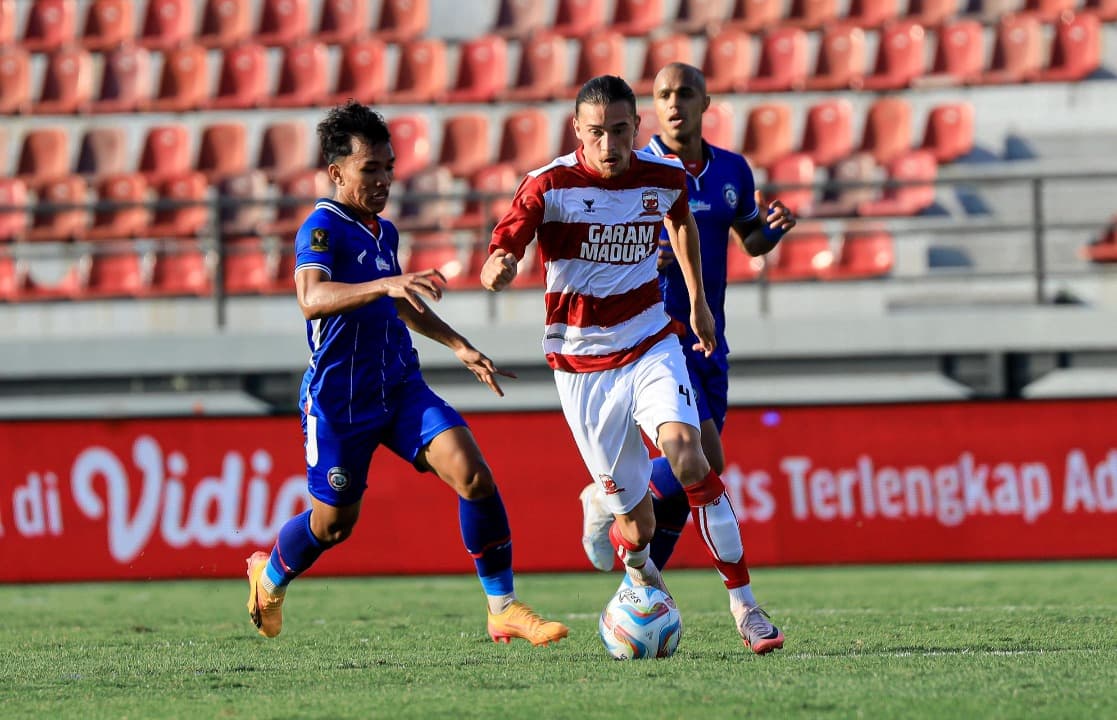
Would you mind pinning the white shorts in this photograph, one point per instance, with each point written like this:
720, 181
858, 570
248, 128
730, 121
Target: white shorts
607, 409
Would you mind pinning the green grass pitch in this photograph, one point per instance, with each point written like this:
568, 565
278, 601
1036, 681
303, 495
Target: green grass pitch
934, 641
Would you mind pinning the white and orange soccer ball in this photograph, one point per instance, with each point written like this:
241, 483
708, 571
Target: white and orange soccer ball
640, 622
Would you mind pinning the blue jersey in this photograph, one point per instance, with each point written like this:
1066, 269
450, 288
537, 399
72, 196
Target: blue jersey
359, 357
721, 194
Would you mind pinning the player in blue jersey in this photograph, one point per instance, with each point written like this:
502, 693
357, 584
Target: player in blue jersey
363, 387
721, 190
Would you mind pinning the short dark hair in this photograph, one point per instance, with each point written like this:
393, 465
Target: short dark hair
603, 90
344, 122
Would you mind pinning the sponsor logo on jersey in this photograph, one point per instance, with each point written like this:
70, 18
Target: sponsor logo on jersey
609, 484
730, 194
625, 244
338, 478
589, 204
382, 264
319, 241
699, 206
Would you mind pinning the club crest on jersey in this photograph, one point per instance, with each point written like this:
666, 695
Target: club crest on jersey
338, 477
609, 484
650, 201
730, 194
319, 241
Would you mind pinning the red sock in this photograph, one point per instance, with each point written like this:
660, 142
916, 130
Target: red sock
717, 524
631, 554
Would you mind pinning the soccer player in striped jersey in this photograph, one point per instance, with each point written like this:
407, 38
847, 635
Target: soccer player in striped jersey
363, 387
597, 214
721, 189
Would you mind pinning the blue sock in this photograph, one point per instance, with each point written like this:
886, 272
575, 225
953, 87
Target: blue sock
295, 550
488, 539
671, 508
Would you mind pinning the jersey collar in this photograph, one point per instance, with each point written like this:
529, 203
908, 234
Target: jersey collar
658, 147
337, 208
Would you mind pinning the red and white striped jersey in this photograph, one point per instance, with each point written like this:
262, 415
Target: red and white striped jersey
598, 238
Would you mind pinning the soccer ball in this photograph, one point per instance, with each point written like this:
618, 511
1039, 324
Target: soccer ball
640, 622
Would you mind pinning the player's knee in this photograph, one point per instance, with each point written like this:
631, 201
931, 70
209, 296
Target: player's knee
689, 465
474, 482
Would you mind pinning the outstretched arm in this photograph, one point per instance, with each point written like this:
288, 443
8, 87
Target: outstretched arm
321, 297
687, 250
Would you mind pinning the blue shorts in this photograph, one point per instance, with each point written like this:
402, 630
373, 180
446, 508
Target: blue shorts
710, 380
338, 455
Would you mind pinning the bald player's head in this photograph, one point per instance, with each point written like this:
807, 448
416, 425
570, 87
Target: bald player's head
680, 99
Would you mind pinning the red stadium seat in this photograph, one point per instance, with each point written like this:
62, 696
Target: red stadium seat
1049, 10
1017, 51
783, 61
482, 70
68, 84
661, 51
342, 21
167, 24
248, 269
905, 200
767, 134
872, 13
225, 23
181, 269
223, 151
841, 59
184, 81
44, 156
949, 133
740, 266
828, 132
307, 186
282, 22
104, 151
125, 81
303, 76
13, 277
166, 153
115, 272
542, 72
959, 55
284, 149
637, 17
7, 23
15, 80
755, 15
727, 62
248, 211
1104, 10
888, 130
51, 24
864, 254
362, 73
1104, 249
424, 205
602, 53
61, 223
1076, 49
412, 143
435, 251
844, 201
794, 169
579, 18
717, 125
13, 222
520, 18
525, 139
649, 125
244, 78
483, 213
465, 144
804, 254
811, 14
931, 13
403, 20
899, 58
698, 17
188, 208
108, 24
421, 73
124, 221
568, 141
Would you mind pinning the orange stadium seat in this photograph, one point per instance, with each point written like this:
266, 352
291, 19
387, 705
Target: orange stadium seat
421, 73
1075, 50
740, 266
425, 205
7, 22
841, 59
44, 156
181, 269
51, 24
783, 61
1104, 10
872, 13
402, 20
794, 169
247, 193
284, 149
282, 22
602, 53
465, 144
435, 251
811, 14
108, 24
247, 268
637, 17
949, 133
844, 201
115, 272
184, 80
307, 186
126, 221
411, 141
767, 134
899, 58
755, 15
483, 213
1017, 51
303, 76
342, 21
525, 139
61, 223
659, 52
828, 131
717, 125
1049, 10
905, 200
579, 18
542, 70
67, 84
166, 152
362, 73
482, 70
931, 13
167, 24
188, 208
888, 130
125, 81
698, 17
864, 254
223, 151
15, 80
243, 83
13, 222
959, 54
519, 18
727, 61
803, 255
568, 141
103, 151
225, 23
